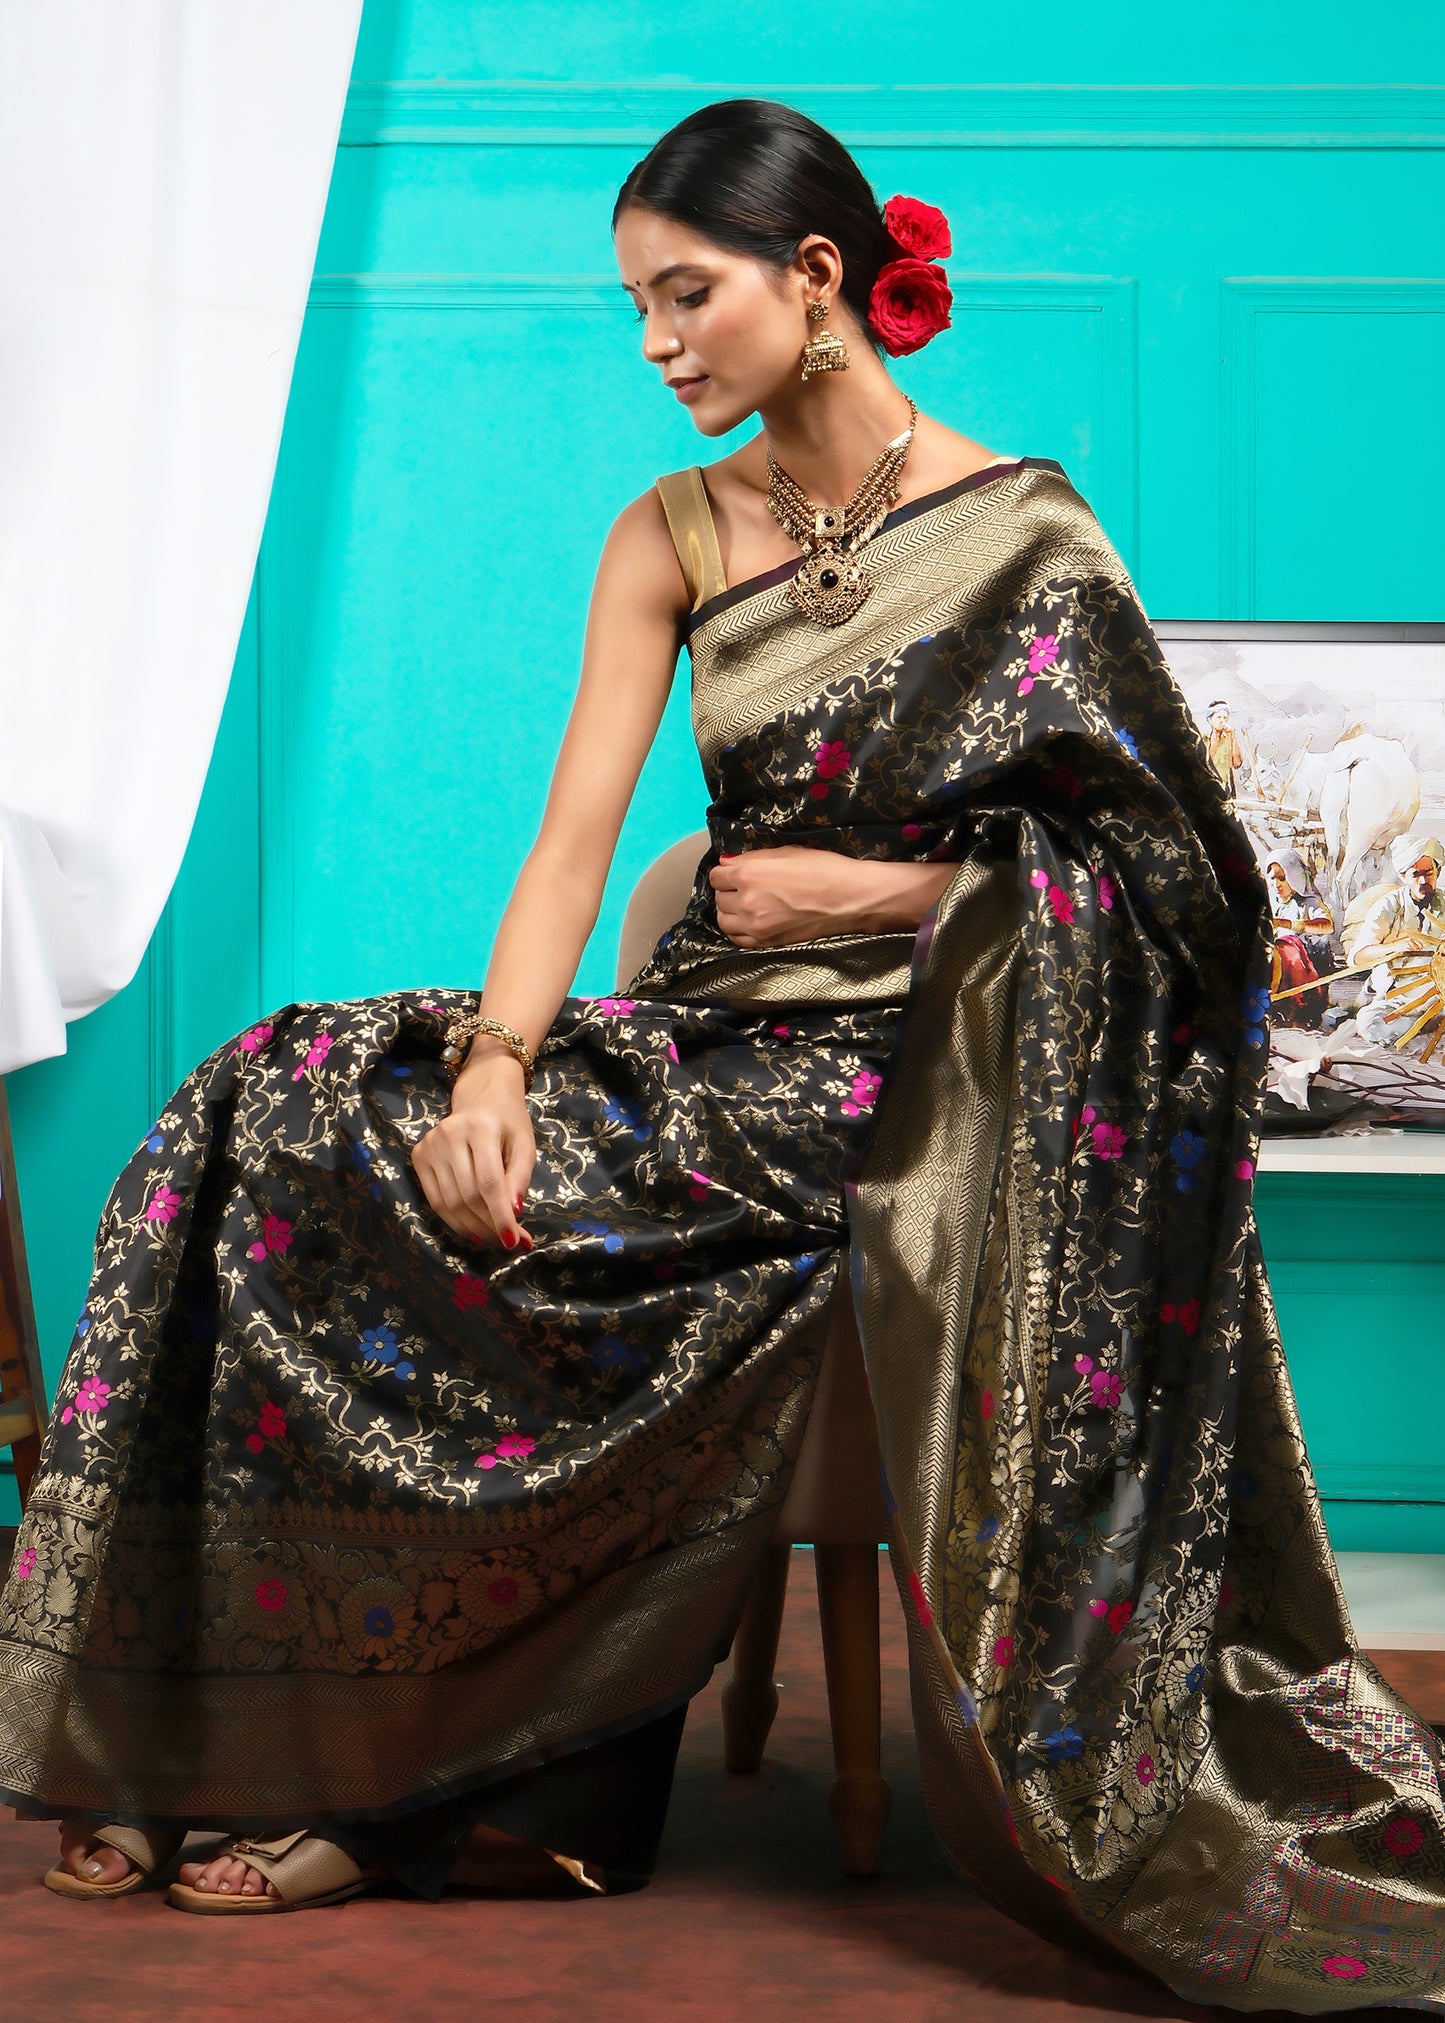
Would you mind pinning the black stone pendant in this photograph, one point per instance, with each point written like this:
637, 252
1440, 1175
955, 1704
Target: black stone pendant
830, 587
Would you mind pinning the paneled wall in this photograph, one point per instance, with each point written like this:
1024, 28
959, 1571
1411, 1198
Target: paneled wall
1205, 275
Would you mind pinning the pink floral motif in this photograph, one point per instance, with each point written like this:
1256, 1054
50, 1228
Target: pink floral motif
614, 1007
1084, 1119
501, 1593
1182, 1033
164, 1205
831, 759
1062, 903
511, 1447
1244, 1170
1226, 1592
699, 1184
316, 1053
1038, 879
1119, 1617
985, 1406
1344, 1967
783, 1032
1144, 1768
91, 1396
1083, 1364
1107, 891
272, 1421
1066, 780
1404, 1837
275, 1235
911, 832
253, 1039
271, 1596
1003, 1651
865, 1091
1026, 682
1189, 1316
1107, 1389
469, 1291
920, 1600
1098, 1607
672, 1050
256, 1444
1109, 1140
25, 1565
1043, 652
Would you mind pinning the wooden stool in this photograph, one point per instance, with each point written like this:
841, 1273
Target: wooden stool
22, 1386
834, 1503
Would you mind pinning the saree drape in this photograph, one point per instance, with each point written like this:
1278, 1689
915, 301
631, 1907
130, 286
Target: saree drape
337, 1515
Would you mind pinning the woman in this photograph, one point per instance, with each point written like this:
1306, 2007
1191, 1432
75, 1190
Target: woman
419, 1442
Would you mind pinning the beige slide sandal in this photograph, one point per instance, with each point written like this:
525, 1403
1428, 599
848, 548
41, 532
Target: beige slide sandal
148, 1848
304, 1870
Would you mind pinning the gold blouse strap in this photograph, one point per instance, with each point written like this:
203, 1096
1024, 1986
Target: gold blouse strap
690, 522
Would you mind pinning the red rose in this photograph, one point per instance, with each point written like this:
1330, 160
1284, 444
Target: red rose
920, 229
909, 304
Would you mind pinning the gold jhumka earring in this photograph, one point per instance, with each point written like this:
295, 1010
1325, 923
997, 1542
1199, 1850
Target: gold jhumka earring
823, 352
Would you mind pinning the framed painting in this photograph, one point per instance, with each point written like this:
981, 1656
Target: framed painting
1329, 740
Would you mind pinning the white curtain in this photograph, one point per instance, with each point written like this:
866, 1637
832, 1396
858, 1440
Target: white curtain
163, 170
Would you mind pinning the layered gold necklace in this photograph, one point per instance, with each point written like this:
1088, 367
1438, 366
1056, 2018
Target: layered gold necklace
831, 585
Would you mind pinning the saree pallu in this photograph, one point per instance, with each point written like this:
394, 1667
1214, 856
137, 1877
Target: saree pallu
338, 1515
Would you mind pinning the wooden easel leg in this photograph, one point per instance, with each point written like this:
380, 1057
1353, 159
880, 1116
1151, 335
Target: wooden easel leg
848, 1608
750, 1697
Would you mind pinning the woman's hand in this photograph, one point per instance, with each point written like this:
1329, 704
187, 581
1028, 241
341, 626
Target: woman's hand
475, 1164
773, 898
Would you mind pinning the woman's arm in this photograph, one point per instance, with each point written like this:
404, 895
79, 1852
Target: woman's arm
475, 1165
772, 898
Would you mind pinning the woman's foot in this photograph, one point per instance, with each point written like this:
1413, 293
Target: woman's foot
111, 1860
227, 1875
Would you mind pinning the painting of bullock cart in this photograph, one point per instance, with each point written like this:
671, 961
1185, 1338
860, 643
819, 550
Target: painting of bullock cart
1329, 741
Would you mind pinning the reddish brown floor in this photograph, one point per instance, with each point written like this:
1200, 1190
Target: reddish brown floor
749, 1918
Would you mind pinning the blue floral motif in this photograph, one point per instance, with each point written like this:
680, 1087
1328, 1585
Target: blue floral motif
82, 1326
1126, 739
402, 1074
1187, 1149
618, 1112
155, 1139
613, 1352
804, 1264
987, 1530
381, 1345
1064, 1745
611, 1238
407, 1371
379, 1622
1256, 1015
1194, 1679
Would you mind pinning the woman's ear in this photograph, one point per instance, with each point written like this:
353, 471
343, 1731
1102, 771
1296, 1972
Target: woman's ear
819, 266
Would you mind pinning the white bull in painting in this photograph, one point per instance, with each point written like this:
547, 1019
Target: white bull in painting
1366, 792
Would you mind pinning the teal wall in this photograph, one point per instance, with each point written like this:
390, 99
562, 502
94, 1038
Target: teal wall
1199, 261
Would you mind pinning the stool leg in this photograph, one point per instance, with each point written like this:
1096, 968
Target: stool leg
750, 1698
848, 1609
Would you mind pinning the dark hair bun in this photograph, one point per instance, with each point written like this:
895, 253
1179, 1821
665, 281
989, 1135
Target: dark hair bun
757, 177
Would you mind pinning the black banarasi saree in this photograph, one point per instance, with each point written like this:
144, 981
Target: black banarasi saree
339, 1517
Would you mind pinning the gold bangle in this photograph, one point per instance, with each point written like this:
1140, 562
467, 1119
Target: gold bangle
461, 1032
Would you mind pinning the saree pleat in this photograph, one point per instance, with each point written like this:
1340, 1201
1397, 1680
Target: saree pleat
340, 1517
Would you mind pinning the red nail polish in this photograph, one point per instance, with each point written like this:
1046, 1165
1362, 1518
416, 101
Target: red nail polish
519, 1204
509, 1239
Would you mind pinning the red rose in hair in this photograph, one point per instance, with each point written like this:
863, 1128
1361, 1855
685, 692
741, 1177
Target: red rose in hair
909, 304
920, 229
